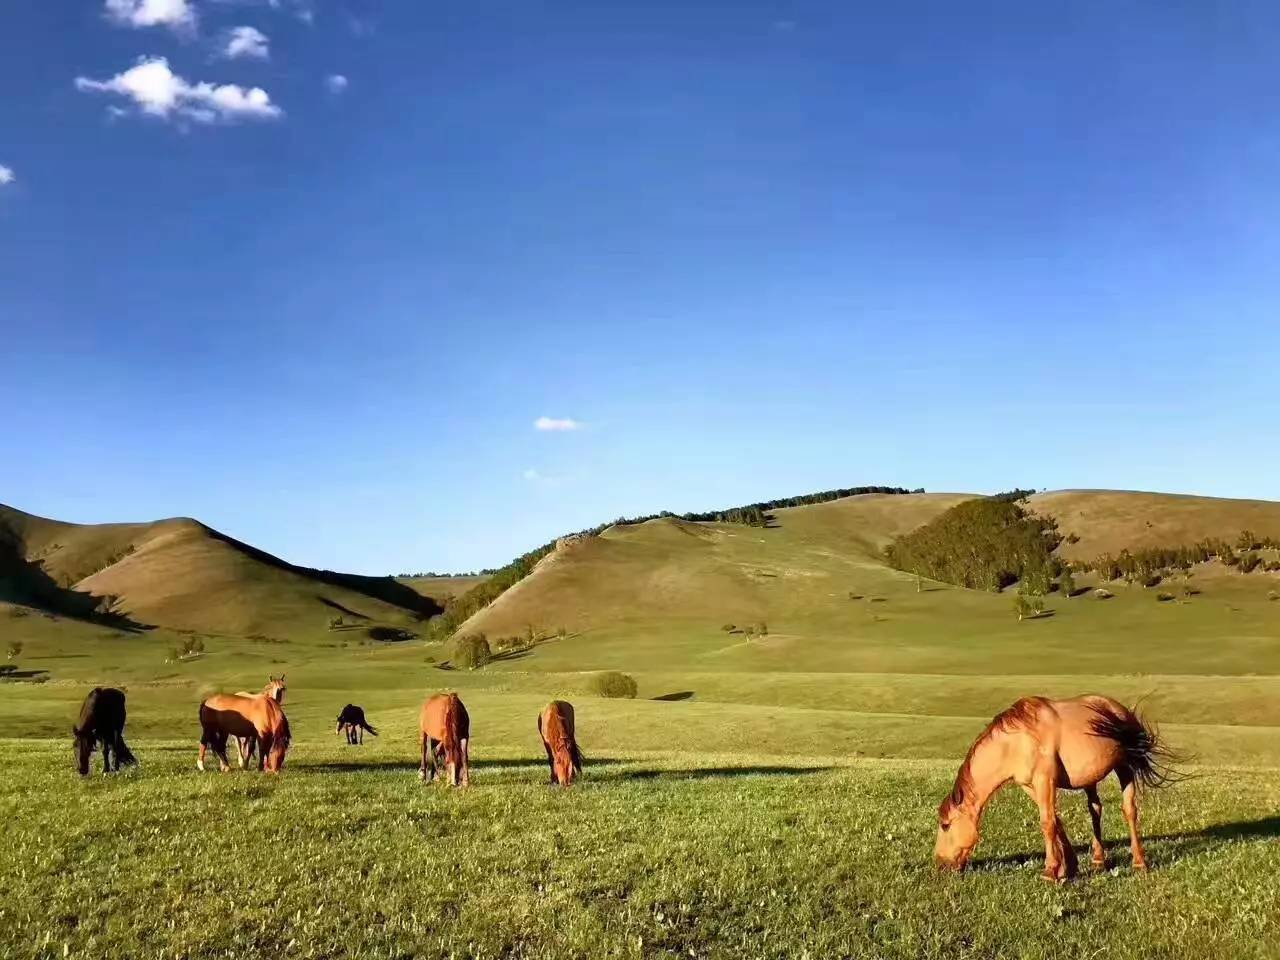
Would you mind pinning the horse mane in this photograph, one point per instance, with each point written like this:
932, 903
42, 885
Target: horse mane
87, 708
1017, 717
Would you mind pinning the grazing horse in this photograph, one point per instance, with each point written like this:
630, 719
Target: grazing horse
555, 725
258, 719
102, 721
1045, 745
444, 721
245, 746
352, 720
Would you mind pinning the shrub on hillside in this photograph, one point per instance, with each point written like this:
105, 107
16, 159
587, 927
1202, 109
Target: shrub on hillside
1067, 584
1163, 597
1102, 593
729, 628
1152, 580
1028, 606
470, 651
615, 685
1272, 595
14, 649
335, 623
985, 543
17, 613
1249, 562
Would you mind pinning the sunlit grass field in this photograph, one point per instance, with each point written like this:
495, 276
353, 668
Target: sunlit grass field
764, 796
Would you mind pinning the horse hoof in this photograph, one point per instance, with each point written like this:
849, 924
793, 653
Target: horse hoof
200, 765
1140, 866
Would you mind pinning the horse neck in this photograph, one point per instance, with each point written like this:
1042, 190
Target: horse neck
985, 773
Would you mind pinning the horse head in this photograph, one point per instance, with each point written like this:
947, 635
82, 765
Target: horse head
84, 748
957, 835
275, 688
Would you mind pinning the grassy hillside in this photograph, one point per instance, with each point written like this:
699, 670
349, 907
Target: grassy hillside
442, 589
833, 726
183, 575
1108, 521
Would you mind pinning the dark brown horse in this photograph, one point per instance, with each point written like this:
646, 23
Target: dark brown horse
101, 721
1048, 745
351, 721
444, 722
256, 718
555, 725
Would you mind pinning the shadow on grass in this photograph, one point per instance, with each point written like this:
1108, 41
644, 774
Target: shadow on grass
680, 695
406, 766
10, 672
1159, 845
710, 773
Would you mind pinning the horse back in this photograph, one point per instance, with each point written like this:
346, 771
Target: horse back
439, 711
103, 710
556, 721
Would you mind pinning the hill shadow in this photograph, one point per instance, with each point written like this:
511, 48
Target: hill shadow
387, 589
680, 695
26, 582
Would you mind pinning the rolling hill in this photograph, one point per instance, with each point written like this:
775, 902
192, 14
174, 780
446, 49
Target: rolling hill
181, 574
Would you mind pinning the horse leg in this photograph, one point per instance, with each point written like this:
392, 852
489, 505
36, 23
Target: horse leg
1058, 855
551, 762
1129, 805
106, 755
220, 748
466, 762
422, 767
200, 762
1095, 816
264, 748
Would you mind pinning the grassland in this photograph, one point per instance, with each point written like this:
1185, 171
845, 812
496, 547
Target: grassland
766, 795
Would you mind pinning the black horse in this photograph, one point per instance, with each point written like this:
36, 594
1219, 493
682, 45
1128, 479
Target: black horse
352, 720
102, 721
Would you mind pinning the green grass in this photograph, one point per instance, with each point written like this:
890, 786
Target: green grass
698, 856
763, 796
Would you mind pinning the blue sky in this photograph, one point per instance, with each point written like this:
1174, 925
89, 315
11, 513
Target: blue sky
750, 249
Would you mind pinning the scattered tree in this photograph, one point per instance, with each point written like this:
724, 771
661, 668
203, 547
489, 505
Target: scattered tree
470, 651
335, 623
14, 649
1066, 584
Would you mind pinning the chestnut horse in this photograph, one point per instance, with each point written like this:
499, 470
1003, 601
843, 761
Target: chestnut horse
257, 719
444, 722
101, 722
245, 745
1045, 745
555, 725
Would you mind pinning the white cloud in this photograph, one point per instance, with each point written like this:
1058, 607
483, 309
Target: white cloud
336, 83
176, 14
556, 424
7, 176
159, 92
537, 476
246, 42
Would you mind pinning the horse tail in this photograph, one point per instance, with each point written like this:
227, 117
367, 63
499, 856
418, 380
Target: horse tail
452, 739
1146, 753
577, 756
368, 727
123, 753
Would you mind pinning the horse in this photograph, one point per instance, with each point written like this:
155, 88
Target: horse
444, 721
352, 720
1045, 745
258, 719
555, 726
245, 746
101, 721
